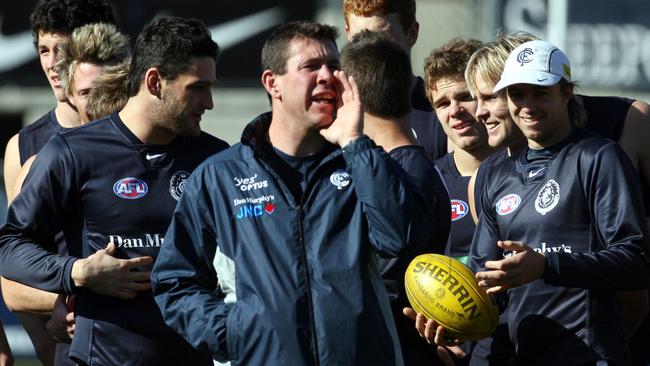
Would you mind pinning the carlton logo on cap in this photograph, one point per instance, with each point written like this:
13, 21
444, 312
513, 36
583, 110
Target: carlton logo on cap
525, 56
537, 63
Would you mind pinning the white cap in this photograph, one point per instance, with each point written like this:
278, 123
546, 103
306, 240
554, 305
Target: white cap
537, 63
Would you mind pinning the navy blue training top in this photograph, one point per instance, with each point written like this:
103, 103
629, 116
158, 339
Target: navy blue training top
98, 183
462, 224
574, 202
605, 116
425, 123
34, 136
31, 140
424, 174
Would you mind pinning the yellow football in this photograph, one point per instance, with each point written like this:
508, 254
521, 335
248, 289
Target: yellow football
445, 290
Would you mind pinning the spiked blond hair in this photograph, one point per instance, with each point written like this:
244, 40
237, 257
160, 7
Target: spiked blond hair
97, 43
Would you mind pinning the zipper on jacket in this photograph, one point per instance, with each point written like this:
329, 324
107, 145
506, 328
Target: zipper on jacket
310, 301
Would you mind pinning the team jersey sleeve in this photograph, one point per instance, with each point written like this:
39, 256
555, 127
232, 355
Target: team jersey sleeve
397, 212
612, 189
27, 248
184, 281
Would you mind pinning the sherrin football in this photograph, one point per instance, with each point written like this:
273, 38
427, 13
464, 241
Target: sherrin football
445, 290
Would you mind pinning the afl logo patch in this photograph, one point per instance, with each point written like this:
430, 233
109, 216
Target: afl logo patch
458, 209
508, 204
340, 179
130, 188
525, 56
548, 197
177, 184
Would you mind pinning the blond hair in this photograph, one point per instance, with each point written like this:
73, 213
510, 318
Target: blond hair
97, 43
109, 91
488, 61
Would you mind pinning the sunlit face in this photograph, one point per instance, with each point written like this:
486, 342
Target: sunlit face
540, 112
492, 110
184, 99
388, 23
47, 50
306, 92
82, 82
456, 110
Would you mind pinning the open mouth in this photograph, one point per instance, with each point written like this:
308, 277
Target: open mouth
491, 125
55, 80
324, 98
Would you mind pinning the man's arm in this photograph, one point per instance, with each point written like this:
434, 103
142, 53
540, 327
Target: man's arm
25, 299
471, 186
6, 358
11, 166
634, 141
18, 297
183, 279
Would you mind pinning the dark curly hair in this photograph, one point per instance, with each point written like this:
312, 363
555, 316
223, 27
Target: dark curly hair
169, 44
63, 16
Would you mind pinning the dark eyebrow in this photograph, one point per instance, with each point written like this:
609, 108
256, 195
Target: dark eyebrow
203, 83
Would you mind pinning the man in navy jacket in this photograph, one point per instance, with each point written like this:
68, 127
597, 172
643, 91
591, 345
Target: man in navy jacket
271, 254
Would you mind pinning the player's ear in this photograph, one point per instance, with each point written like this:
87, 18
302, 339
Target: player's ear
412, 33
270, 83
152, 81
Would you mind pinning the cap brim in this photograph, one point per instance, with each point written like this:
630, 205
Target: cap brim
540, 78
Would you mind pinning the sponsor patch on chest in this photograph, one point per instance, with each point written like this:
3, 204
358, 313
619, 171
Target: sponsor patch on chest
459, 209
130, 188
250, 183
508, 204
253, 206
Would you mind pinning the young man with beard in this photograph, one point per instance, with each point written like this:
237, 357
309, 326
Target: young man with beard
290, 221
396, 18
117, 181
382, 72
562, 213
52, 22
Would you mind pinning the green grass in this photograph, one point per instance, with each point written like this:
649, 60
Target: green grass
27, 362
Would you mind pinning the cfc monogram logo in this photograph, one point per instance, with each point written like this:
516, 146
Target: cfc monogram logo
525, 56
340, 179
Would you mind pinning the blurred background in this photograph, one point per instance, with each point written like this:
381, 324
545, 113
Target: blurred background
607, 41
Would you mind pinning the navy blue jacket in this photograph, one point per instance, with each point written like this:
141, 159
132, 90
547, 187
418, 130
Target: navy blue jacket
297, 281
